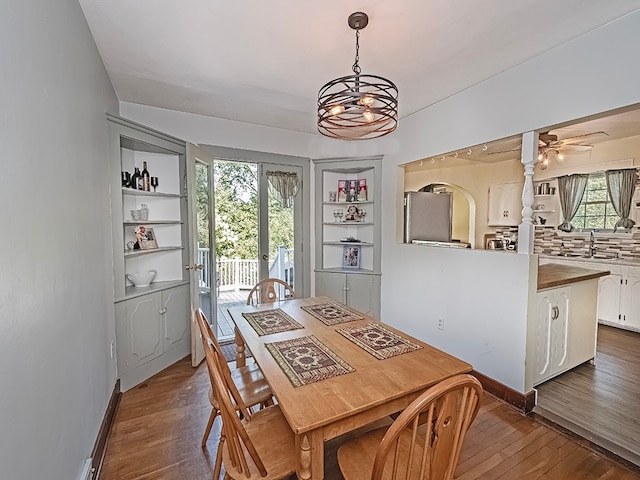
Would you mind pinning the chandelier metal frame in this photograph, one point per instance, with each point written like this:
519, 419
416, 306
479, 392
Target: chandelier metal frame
358, 107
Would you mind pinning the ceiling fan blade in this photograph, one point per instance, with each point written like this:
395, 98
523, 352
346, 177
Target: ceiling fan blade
504, 151
577, 148
579, 138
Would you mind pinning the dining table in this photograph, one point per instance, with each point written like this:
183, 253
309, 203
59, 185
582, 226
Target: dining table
355, 384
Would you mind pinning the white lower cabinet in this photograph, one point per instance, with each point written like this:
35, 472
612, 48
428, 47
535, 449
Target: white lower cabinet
552, 333
619, 297
566, 328
356, 290
152, 332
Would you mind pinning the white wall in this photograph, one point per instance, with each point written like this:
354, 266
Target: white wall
591, 74
56, 288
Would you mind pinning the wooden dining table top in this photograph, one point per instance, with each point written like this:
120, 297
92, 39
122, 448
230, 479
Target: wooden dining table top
375, 384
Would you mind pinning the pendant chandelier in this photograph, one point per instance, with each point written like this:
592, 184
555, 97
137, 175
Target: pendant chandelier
358, 107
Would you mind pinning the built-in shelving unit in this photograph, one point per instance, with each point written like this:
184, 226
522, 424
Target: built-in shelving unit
153, 328
358, 181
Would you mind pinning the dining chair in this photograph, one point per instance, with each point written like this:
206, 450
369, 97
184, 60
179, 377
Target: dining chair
270, 290
260, 448
423, 442
247, 384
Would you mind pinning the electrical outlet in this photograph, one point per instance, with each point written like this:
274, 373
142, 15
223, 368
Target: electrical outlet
440, 323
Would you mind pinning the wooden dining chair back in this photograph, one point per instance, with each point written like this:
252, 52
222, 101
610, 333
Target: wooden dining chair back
424, 442
245, 443
270, 290
225, 371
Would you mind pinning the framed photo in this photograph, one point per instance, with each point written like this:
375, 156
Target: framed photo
145, 238
351, 256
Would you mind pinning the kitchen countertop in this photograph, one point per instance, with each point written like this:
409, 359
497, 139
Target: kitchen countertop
553, 275
596, 260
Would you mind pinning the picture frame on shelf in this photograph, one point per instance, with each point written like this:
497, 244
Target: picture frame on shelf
351, 257
145, 238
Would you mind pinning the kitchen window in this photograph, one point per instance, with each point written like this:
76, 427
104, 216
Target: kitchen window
595, 211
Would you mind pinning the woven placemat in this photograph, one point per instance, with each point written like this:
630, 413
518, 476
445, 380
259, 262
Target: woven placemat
306, 360
331, 313
377, 340
267, 322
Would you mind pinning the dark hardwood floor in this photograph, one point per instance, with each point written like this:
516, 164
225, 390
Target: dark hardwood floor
601, 401
159, 425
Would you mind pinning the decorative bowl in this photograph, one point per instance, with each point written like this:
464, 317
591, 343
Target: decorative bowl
141, 279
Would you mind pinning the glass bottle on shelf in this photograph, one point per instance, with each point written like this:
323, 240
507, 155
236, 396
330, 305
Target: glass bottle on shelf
135, 178
146, 183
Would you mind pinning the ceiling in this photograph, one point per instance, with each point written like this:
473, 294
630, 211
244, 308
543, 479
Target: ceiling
263, 62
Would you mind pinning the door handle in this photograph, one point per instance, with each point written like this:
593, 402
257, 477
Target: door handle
197, 266
555, 313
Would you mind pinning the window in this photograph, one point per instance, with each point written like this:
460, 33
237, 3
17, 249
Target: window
596, 210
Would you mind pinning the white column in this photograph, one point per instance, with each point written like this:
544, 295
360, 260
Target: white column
526, 230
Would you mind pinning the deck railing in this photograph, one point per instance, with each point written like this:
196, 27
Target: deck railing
236, 273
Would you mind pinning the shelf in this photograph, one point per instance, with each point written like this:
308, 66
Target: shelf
345, 224
129, 223
347, 270
545, 195
544, 211
137, 253
348, 203
363, 244
142, 193
133, 292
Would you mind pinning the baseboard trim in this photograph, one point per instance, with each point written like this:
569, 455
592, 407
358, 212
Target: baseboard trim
100, 446
522, 401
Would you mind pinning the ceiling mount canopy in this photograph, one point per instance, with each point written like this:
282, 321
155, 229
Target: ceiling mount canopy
358, 107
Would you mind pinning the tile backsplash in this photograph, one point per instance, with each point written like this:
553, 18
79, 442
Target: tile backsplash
549, 241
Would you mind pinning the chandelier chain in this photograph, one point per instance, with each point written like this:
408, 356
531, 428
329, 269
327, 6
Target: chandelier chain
356, 67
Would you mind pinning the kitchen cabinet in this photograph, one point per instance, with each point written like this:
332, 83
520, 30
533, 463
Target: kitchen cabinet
505, 204
619, 298
359, 291
552, 333
348, 216
148, 341
566, 328
151, 330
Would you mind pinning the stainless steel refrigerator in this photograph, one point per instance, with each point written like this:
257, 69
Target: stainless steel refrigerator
427, 216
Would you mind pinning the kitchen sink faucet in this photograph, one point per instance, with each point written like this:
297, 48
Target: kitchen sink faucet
592, 247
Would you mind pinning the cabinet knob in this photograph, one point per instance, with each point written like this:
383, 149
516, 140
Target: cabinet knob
162, 311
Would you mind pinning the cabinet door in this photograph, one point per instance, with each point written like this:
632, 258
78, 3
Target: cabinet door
363, 293
138, 331
505, 204
332, 285
609, 298
175, 310
543, 337
631, 301
560, 330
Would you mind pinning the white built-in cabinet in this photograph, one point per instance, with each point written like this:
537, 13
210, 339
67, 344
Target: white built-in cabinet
619, 297
356, 287
152, 322
505, 204
566, 329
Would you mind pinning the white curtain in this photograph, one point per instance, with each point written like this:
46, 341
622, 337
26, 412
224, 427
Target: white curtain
284, 186
571, 190
621, 185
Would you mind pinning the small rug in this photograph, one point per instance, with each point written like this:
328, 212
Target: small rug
377, 340
271, 321
332, 313
306, 360
229, 351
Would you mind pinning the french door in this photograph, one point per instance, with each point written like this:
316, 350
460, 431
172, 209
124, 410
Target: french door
203, 253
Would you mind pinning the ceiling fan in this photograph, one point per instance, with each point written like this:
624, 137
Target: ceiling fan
549, 147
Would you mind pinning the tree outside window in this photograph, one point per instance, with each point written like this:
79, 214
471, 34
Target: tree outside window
596, 211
